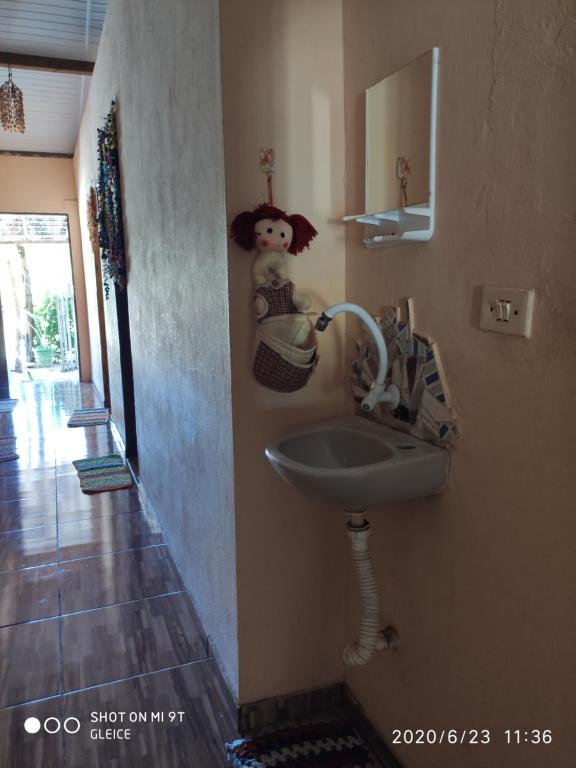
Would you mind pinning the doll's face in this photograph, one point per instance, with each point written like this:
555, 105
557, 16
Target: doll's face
272, 235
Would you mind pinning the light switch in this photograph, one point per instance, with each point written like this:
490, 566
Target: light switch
501, 310
507, 310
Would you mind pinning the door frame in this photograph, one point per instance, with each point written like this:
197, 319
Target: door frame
67, 217
102, 328
126, 372
4, 380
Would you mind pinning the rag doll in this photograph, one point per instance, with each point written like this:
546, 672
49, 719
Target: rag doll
286, 351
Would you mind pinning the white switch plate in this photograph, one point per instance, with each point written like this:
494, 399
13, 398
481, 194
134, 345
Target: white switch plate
519, 311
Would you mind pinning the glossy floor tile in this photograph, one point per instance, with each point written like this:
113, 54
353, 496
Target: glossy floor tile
70, 483
28, 459
27, 513
130, 639
75, 444
28, 594
90, 596
81, 506
30, 666
99, 535
8, 469
195, 690
94, 582
20, 749
22, 549
16, 487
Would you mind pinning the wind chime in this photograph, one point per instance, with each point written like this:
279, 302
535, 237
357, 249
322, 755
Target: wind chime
11, 106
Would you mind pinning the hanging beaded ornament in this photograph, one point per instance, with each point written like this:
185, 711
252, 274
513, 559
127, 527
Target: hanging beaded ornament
92, 217
110, 225
11, 106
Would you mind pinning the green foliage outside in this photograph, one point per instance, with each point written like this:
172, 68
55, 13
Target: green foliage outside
44, 322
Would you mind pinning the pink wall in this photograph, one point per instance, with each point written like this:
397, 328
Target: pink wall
480, 582
283, 87
46, 185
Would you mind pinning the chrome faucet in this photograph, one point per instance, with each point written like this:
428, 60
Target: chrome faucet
378, 392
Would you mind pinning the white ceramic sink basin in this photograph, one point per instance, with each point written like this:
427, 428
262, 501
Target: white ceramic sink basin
357, 464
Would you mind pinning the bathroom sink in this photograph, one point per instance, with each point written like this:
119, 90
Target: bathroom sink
357, 464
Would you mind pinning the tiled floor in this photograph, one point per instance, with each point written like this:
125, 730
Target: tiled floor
94, 620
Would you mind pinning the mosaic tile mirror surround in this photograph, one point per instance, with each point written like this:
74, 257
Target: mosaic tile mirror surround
415, 367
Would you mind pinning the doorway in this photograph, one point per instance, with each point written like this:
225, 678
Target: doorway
101, 324
127, 374
37, 298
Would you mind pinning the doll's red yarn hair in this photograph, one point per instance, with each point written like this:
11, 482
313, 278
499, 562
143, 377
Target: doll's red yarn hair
242, 228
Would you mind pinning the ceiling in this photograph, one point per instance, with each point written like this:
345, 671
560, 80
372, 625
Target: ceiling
53, 101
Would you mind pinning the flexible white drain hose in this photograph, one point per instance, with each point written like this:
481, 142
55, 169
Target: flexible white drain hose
369, 639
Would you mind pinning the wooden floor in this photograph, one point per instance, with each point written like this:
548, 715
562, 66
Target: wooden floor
94, 620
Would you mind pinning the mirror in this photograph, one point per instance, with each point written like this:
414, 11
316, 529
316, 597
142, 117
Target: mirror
398, 129
401, 155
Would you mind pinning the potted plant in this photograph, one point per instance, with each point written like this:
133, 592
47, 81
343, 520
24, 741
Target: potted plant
45, 329
44, 356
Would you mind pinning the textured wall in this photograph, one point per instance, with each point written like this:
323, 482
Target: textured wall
481, 581
161, 61
46, 185
85, 166
283, 87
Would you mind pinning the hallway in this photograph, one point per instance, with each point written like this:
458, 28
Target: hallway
93, 615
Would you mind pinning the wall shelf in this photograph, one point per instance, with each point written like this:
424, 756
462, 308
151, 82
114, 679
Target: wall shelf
413, 223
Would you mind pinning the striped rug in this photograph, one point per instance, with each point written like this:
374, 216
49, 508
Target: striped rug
110, 479
99, 462
8, 448
89, 417
334, 744
102, 473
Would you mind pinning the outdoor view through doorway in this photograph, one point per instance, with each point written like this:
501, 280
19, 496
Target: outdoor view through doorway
37, 298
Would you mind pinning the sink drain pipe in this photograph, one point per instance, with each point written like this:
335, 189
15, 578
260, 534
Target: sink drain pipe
369, 639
